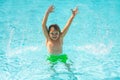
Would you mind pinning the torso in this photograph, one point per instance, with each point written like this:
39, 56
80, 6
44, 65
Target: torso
54, 47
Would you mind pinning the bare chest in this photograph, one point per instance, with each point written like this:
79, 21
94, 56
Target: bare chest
54, 46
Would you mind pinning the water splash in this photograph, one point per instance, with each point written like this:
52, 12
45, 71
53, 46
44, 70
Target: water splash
20, 50
10, 38
97, 48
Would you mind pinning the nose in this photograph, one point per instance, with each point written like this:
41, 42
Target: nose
54, 34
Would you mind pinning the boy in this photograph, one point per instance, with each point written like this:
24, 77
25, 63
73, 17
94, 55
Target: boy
54, 37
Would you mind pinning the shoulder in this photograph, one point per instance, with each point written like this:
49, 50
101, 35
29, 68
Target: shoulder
48, 39
61, 39
61, 35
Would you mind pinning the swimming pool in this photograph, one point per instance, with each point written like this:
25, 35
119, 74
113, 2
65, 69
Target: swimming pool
92, 42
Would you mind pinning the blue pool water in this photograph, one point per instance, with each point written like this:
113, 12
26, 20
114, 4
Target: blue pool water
92, 42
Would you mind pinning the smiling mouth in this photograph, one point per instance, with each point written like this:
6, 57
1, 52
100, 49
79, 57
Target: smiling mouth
54, 37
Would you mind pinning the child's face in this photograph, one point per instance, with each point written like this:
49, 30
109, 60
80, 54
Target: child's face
54, 34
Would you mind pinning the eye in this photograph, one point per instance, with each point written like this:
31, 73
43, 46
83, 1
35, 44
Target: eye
57, 33
52, 33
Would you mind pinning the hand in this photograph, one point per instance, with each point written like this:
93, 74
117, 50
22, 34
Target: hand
75, 11
50, 9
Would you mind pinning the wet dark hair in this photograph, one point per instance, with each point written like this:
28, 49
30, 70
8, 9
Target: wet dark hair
56, 27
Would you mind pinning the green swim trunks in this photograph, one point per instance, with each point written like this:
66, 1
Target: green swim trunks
55, 58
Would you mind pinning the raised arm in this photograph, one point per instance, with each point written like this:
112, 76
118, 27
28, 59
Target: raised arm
44, 22
65, 29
